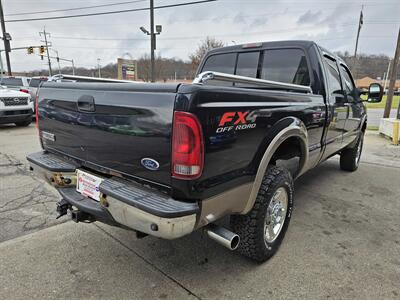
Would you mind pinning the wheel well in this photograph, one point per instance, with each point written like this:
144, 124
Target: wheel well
288, 155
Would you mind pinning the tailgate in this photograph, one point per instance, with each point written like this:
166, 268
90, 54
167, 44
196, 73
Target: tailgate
120, 127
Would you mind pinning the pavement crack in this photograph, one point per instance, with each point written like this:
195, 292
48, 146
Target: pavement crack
150, 263
379, 164
11, 165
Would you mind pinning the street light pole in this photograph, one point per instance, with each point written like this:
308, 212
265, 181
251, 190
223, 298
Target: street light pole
152, 35
58, 61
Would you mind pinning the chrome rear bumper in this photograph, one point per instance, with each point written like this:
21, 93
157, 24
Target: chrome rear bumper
122, 202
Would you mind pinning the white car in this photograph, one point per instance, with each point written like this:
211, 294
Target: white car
15, 107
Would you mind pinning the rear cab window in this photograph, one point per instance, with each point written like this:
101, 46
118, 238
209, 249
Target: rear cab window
283, 65
332, 76
224, 63
286, 65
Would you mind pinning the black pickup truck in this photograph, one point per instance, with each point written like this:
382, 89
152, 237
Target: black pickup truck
168, 159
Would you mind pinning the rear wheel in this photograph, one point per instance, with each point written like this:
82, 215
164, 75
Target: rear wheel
350, 157
262, 230
24, 123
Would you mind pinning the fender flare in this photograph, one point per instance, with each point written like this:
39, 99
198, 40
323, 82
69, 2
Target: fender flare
295, 129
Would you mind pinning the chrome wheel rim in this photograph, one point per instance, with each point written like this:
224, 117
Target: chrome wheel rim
276, 215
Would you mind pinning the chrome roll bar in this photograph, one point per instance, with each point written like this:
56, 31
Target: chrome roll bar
210, 75
59, 77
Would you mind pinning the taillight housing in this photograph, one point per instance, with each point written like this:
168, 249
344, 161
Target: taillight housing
187, 146
24, 91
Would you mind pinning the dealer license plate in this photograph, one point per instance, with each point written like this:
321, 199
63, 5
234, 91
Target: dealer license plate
88, 184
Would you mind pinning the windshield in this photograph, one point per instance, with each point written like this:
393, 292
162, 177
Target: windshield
12, 82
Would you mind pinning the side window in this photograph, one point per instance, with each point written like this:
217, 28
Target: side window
224, 63
286, 65
333, 76
348, 85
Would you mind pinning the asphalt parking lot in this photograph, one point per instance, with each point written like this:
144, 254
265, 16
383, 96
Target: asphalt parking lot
343, 241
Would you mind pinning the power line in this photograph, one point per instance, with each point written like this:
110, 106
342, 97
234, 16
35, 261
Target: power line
195, 37
109, 12
186, 49
74, 8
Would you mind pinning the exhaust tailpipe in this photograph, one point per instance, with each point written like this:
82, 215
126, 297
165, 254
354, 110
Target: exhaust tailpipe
223, 236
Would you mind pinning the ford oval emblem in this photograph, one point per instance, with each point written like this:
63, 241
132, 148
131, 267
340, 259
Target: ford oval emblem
150, 164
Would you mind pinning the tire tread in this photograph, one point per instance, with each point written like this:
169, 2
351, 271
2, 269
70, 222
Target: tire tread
248, 226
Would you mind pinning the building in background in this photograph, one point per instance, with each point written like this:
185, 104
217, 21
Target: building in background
364, 83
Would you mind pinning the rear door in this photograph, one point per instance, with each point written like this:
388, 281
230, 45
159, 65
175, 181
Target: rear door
338, 109
355, 106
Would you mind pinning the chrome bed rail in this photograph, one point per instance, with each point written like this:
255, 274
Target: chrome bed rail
210, 75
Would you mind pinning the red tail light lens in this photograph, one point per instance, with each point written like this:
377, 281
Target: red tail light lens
24, 91
187, 146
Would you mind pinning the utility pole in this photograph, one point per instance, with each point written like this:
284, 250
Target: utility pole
98, 66
386, 77
153, 41
45, 34
393, 76
6, 40
360, 23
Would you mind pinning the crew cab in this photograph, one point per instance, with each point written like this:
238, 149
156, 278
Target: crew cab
15, 107
168, 159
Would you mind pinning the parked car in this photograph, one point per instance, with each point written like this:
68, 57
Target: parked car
15, 107
186, 155
15, 83
33, 87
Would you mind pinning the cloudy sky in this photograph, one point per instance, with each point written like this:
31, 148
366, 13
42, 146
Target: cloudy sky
331, 23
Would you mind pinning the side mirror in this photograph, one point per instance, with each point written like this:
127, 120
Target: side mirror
375, 93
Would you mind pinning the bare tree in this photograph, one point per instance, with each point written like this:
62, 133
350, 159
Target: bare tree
205, 46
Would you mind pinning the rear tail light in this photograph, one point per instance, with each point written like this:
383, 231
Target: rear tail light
24, 91
187, 146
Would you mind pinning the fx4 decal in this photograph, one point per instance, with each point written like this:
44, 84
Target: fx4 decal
237, 120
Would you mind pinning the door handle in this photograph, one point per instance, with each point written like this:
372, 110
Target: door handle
86, 103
